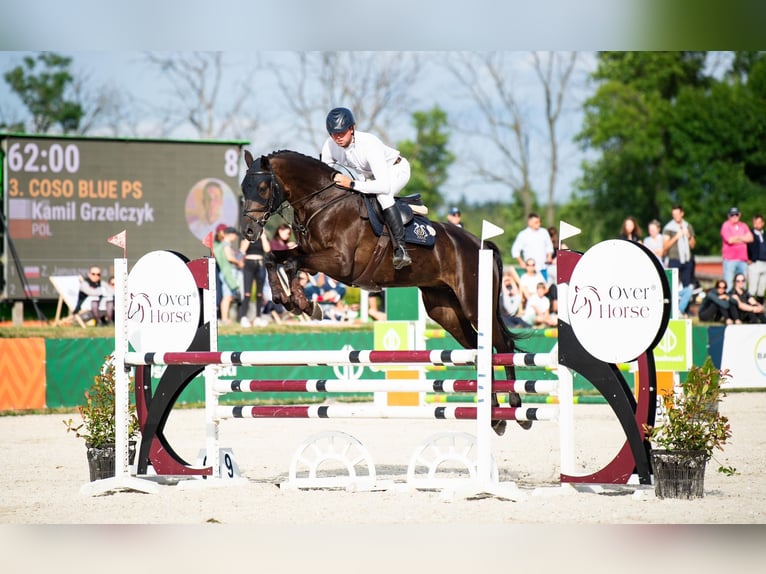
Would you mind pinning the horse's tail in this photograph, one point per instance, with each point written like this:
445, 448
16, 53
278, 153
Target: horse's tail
508, 337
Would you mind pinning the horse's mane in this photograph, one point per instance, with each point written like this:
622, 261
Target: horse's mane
298, 156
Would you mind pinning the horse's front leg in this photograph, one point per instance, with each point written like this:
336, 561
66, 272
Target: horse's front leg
280, 292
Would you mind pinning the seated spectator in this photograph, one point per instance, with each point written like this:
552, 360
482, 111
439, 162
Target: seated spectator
715, 307
106, 306
511, 303
745, 307
328, 293
538, 309
529, 279
89, 297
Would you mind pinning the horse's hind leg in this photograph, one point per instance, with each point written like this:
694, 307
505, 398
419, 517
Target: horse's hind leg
444, 308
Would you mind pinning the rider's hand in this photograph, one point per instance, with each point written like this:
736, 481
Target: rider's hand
342, 180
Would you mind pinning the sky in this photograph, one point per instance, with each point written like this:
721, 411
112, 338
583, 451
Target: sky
129, 72
108, 36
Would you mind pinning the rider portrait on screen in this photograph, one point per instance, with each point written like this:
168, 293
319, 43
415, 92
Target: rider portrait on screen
384, 170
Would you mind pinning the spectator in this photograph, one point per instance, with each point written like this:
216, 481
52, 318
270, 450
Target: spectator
534, 243
281, 240
230, 260
529, 280
552, 268
654, 241
454, 217
253, 273
716, 306
511, 302
735, 235
327, 292
679, 242
537, 311
745, 308
376, 306
630, 230
91, 292
756, 253
106, 306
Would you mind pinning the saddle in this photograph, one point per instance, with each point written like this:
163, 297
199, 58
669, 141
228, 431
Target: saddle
417, 229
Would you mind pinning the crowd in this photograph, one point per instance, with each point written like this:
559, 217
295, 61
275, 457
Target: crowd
530, 299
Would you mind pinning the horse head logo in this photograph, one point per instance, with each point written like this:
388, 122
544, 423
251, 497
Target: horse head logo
583, 299
136, 306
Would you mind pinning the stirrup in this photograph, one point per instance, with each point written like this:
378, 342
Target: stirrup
401, 258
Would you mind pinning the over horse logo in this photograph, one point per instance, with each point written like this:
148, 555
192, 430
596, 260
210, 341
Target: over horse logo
582, 303
136, 309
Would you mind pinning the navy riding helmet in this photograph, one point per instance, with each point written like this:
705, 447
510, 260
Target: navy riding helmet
339, 120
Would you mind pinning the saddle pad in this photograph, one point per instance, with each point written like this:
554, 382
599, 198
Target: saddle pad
419, 231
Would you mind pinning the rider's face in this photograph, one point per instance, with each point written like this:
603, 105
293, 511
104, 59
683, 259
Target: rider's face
343, 139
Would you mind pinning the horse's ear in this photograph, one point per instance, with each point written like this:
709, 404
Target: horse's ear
264, 163
248, 158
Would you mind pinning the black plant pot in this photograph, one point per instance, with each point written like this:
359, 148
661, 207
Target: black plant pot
679, 473
101, 460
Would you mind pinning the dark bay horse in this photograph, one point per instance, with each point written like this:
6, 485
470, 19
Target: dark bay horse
334, 236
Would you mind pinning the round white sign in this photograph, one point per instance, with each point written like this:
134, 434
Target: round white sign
163, 303
618, 301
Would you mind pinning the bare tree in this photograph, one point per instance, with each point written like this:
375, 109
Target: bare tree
501, 130
376, 86
201, 99
500, 122
554, 69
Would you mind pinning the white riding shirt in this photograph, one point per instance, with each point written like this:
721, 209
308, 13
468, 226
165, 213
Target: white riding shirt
373, 159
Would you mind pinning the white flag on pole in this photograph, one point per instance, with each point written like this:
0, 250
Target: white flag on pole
566, 231
490, 230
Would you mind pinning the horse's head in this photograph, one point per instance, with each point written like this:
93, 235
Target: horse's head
262, 196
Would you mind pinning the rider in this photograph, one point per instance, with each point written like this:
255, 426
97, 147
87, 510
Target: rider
386, 172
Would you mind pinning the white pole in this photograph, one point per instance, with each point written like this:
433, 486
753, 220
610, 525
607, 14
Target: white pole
121, 376
484, 369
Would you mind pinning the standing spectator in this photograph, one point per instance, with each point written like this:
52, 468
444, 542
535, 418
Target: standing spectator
534, 243
679, 242
253, 273
230, 261
735, 235
91, 291
552, 268
716, 306
454, 217
756, 253
631, 230
654, 241
745, 308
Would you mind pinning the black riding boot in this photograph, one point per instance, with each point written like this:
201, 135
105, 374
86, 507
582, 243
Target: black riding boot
394, 223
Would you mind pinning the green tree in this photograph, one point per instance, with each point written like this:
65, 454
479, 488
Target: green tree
428, 155
43, 83
667, 132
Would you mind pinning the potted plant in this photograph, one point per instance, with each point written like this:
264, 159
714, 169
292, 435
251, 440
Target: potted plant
98, 423
693, 428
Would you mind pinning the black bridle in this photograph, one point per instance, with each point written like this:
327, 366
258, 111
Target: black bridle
270, 205
273, 204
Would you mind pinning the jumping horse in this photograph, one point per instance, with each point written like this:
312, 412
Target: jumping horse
334, 236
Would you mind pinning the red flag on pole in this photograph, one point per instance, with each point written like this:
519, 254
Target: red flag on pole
208, 242
120, 240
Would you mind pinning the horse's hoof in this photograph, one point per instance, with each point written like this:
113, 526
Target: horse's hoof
526, 425
499, 427
316, 312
